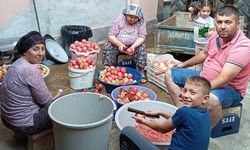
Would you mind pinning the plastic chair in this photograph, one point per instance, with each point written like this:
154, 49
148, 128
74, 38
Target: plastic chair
125, 61
130, 139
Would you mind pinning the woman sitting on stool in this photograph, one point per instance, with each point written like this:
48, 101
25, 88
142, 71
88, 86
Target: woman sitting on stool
24, 95
127, 35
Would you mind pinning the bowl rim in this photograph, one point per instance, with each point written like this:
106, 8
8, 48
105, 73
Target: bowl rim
47, 70
127, 86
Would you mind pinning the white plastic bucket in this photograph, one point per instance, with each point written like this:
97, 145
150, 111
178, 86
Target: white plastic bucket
82, 121
86, 55
81, 78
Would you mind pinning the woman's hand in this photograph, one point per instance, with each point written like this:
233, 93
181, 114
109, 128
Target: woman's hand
122, 48
130, 51
59, 93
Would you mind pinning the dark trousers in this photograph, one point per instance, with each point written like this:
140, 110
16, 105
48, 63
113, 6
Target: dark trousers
130, 139
41, 119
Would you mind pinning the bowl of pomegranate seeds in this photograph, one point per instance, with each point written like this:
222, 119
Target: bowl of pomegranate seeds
126, 94
123, 118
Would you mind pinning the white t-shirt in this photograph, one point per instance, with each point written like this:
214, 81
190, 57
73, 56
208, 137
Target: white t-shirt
199, 24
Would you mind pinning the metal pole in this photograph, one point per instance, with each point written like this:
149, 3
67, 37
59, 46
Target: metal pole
37, 20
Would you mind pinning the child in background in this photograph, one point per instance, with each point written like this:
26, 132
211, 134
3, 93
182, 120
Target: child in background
191, 121
203, 24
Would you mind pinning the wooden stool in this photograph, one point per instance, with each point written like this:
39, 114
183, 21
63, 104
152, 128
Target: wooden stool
41, 141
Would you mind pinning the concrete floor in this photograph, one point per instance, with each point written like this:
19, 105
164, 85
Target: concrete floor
58, 78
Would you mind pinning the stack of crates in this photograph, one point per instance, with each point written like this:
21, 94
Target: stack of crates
158, 80
229, 123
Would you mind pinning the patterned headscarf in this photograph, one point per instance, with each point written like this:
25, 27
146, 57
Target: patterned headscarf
134, 9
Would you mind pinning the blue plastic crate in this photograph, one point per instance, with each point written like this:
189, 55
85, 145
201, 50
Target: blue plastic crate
229, 123
125, 60
127, 63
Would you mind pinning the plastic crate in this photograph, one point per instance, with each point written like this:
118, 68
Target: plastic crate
175, 34
152, 70
229, 123
156, 80
125, 60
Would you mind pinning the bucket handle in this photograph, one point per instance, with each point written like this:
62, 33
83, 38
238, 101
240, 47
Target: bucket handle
81, 75
102, 97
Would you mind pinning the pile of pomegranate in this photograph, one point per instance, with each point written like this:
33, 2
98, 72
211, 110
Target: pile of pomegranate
84, 46
153, 135
130, 51
82, 63
163, 65
116, 76
42, 69
131, 94
98, 88
3, 70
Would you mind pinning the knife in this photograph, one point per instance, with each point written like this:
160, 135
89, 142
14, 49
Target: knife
142, 112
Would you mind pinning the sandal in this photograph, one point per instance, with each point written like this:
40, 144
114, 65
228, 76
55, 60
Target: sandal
144, 79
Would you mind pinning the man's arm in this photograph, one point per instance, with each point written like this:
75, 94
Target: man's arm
198, 58
229, 71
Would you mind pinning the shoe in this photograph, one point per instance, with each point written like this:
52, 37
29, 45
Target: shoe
144, 79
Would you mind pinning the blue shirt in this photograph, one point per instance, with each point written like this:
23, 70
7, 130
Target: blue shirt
192, 129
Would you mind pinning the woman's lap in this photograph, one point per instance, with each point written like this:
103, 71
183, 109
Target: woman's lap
110, 53
227, 96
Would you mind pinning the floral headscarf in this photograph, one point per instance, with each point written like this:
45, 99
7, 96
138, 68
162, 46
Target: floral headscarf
134, 9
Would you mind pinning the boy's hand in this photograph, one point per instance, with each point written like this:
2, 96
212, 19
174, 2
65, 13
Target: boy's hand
180, 97
154, 112
139, 118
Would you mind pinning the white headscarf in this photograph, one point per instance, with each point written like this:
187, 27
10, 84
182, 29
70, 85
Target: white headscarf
134, 9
